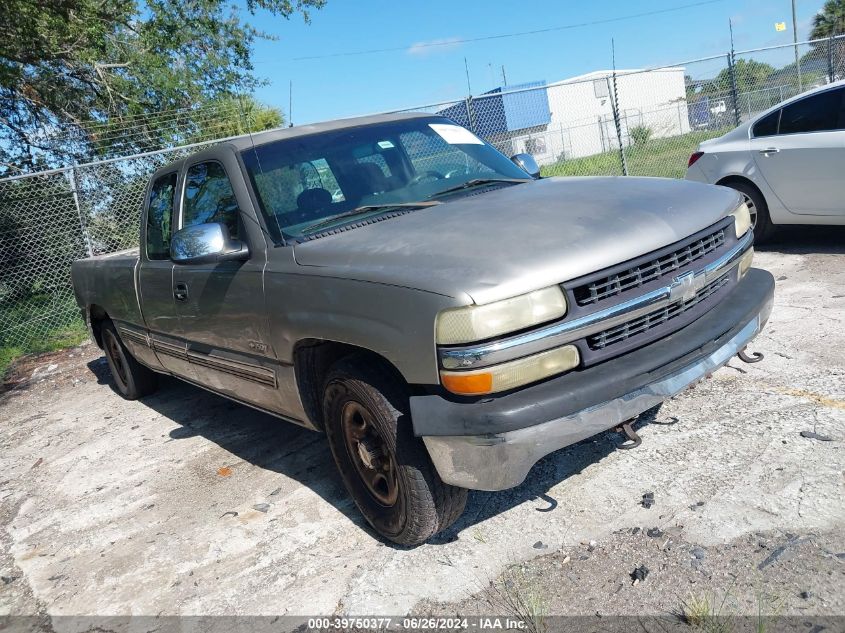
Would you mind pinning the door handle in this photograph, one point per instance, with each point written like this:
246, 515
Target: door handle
180, 292
769, 150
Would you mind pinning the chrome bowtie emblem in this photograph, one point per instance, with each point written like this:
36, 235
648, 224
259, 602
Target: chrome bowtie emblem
684, 287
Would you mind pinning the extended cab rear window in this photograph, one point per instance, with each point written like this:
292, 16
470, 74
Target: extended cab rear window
160, 216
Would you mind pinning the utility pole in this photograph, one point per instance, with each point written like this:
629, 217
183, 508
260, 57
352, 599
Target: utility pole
795, 43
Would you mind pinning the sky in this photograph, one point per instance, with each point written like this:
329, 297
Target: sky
341, 82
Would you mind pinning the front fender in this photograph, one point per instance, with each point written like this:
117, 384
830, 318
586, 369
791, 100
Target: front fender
392, 321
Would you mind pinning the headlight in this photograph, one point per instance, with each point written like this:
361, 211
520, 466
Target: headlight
476, 323
745, 262
742, 219
513, 374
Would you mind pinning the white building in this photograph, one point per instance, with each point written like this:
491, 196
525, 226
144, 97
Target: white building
581, 119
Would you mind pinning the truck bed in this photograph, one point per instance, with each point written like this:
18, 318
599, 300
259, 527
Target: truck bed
104, 280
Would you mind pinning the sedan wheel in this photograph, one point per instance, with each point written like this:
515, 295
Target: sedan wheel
752, 209
757, 209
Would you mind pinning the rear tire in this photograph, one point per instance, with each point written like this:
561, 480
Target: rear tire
131, 379
760, 220
385, 468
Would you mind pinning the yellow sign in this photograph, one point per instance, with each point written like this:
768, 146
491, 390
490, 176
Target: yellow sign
780, 26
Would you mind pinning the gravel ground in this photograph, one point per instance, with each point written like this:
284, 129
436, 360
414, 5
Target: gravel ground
187, 504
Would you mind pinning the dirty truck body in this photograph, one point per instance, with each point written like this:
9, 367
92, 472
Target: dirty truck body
444, 317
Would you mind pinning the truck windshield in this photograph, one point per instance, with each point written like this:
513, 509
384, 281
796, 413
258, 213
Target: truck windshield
313, 183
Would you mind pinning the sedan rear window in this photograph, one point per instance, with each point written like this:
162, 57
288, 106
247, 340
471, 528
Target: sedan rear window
768, 125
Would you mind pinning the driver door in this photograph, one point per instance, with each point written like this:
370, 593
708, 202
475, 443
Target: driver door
221, 305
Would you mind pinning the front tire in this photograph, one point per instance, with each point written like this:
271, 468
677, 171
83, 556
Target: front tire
760, 220
384, 467
131, 379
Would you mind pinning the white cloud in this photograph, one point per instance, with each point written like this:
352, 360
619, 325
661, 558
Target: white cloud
434, 46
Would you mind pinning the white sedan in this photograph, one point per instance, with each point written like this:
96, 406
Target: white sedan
788, 162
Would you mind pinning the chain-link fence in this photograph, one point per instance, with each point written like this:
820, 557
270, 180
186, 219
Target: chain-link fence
624, 122
50, 219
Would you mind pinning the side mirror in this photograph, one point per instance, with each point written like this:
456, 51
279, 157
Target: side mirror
205, 244
527, 163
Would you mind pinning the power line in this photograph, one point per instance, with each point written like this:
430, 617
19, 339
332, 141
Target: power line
452, 42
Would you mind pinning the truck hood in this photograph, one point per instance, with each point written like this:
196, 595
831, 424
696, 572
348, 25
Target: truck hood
519, 238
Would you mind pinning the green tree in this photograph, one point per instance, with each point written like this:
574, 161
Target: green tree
233, 116
830, 21
75, 75
750, 75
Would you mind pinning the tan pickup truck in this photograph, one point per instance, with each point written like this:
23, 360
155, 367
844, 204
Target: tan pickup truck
443, 314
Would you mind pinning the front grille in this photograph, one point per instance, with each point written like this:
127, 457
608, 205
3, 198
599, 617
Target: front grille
645, 272
644, 323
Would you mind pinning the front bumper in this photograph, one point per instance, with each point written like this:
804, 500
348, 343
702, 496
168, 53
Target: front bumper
492, 443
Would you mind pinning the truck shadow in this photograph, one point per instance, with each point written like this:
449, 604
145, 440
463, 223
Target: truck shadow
803, 240
303, 455
249, 435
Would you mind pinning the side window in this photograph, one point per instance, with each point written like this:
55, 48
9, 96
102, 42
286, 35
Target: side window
819, 113
768, 125
209, 197
160, 216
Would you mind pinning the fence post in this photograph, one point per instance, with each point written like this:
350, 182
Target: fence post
614, 106
830, 72
470, 114
73, 181
734, 95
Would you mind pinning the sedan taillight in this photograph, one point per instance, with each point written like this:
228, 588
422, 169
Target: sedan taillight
694, 157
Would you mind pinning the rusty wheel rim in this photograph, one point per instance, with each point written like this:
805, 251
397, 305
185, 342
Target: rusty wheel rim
113, 350
372, 457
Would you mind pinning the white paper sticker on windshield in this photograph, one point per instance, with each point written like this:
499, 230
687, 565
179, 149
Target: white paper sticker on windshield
385, 144
455, 134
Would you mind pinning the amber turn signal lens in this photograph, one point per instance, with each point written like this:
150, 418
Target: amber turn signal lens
468, 384
510, 375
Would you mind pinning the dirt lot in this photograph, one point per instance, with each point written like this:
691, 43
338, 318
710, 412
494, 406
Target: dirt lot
188, 504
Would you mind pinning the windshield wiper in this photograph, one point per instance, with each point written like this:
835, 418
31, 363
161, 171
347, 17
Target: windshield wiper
366, 209
479, 181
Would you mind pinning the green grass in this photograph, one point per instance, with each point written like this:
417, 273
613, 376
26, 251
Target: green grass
57, 339
42, 322
665, 157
